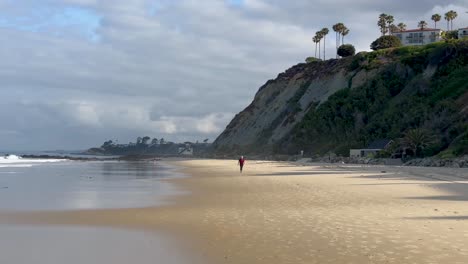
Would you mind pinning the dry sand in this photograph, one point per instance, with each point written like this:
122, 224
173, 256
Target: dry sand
287, 213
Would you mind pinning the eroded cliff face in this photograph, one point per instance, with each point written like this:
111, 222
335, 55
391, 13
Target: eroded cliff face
335, 105
281, 103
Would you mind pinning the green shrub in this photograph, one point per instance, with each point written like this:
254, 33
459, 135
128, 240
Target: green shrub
343, 150
461, 145
385, 42
346, 50
392, 103
312, 59
358, 59
407, 50
448, 35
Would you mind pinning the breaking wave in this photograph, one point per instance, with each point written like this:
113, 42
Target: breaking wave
17, 161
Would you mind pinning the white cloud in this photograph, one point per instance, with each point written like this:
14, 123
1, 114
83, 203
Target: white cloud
178, 70
86, 114
138, 118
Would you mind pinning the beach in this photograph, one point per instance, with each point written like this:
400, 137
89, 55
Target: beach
278, 212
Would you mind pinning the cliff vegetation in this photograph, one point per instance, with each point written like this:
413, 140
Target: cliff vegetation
406, 94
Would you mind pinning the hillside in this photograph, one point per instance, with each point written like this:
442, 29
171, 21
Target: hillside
335, 105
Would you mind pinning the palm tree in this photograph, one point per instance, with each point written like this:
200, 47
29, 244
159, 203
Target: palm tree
453, 16
450, 16
319, 37
401, 26
382, 23
343, 34
422, 24
337, 28
417, 139
393, 28
436, 18
389, 20
315, 40
324, 33
447, 17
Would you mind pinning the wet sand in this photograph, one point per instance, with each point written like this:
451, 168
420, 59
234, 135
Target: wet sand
77, 245
285, 213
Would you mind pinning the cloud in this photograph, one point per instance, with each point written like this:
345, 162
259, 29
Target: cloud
77, 72
86, 114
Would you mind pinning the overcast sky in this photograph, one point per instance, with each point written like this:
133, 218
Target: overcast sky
74, 73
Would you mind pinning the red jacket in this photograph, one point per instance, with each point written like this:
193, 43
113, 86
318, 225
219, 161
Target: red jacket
241, 161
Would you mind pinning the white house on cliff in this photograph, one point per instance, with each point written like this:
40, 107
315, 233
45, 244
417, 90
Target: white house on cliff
463, 33
419, 36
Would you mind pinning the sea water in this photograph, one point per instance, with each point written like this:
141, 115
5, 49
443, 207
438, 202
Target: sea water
37, 185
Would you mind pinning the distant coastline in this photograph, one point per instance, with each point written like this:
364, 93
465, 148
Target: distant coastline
82, 157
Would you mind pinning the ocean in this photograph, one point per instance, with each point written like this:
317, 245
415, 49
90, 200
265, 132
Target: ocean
54, 184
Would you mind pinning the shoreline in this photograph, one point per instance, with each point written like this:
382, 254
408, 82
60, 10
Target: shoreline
279, 212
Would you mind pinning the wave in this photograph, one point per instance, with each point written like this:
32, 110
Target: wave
17, 161
15, 166
10, 157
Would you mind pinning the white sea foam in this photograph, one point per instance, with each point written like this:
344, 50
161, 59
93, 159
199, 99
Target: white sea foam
15, 166
10, 157
17, 161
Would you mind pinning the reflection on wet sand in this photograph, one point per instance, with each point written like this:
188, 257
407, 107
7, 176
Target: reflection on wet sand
72, 186
85, 185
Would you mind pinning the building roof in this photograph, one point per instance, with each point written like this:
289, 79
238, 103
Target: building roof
379, 144
419, 30
463, 28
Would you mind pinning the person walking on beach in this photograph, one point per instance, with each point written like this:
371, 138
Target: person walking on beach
241, 163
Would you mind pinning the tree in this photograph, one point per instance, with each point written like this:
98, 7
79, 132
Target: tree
161, 141
448, 35
155, 141
389, 20
417, 140
450, 16
454, 15
315, 39
324, 34
447, 18
422, 24
436, 18
346, 50
139, 139
385, 42
401, 26
382, 23
205, 140
341, 31
393, 28
145, 140
319, 36
338, 28
107, 144
343, 34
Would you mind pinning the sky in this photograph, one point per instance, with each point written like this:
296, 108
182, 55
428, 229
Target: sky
74, 73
